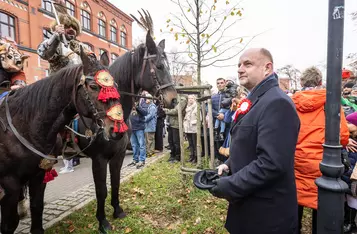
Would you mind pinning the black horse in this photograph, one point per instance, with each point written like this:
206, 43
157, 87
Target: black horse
37, 113
144, 68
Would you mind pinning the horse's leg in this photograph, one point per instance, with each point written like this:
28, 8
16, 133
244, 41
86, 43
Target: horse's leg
99, 169
37, 193
115, 165
9, 217
21, 207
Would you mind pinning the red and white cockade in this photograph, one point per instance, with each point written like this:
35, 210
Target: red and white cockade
243, 108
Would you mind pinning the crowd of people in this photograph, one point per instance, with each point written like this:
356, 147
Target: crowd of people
277, 147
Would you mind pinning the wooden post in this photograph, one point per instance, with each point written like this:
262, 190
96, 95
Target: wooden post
204, 130
210, 125
180, 120
198, 136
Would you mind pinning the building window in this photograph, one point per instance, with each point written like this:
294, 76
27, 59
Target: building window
46, 5
113, 33
123, 38
46, 33
85, 19
114, 56
70, 8
102, 28
7, 26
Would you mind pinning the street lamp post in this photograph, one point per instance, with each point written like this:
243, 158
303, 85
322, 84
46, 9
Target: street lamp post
331, 188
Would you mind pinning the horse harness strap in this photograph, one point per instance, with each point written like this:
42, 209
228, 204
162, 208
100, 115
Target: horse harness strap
147, 59
21, 138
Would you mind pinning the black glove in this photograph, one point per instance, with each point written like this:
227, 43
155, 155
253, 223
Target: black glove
217, 191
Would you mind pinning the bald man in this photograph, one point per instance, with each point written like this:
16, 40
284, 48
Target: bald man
260, 185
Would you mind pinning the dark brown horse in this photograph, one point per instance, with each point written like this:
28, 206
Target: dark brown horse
37, 113
144, 68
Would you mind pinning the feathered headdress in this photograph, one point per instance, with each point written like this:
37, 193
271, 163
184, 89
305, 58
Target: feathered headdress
145, 21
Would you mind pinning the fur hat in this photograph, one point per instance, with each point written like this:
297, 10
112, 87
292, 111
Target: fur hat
67, 20
311, 77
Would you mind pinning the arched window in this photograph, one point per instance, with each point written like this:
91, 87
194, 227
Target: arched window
102, 25
7, 26
70, 8
102, 28
86, 19
113, 31
113, 57
123, 36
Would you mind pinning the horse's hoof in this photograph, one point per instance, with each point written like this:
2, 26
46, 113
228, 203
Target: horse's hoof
104, 226
117, 215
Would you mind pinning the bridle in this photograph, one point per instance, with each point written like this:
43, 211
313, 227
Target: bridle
148, 59
97, 119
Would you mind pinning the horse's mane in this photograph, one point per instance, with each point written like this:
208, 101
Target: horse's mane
122, 69
41, 94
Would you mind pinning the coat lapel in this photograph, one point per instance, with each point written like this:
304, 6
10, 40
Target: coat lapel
255, 96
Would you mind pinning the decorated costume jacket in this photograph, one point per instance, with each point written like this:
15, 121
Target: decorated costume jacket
58, 55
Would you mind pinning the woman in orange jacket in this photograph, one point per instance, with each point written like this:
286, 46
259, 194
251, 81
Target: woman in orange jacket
310, 107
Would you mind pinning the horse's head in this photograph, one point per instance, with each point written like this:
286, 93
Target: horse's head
96, 96
155, 74
12, 60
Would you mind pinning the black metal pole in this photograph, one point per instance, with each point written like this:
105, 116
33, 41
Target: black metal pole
331, 188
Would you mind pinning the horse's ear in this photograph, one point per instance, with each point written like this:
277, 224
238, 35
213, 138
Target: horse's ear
162, 44
104, 59
150, 44
85, 61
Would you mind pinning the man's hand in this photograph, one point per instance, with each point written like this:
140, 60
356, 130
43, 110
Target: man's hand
59, 29
351, 146
220, 116
222, 168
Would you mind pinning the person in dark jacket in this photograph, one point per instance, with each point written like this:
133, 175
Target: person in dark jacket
159, 138
137, 138
261, 186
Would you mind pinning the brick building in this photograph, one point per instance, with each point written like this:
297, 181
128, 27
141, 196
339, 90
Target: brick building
104, 28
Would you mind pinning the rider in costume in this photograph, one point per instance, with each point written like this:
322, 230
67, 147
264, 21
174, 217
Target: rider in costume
54, 49
12, 63
59, 55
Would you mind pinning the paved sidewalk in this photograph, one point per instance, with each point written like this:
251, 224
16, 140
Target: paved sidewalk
57, 209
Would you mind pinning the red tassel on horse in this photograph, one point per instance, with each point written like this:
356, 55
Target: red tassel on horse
123, 126
107, 93
116, 126
49, 176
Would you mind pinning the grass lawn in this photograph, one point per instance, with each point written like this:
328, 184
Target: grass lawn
158, 200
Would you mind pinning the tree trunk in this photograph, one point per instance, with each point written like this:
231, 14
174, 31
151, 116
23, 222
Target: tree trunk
199, 143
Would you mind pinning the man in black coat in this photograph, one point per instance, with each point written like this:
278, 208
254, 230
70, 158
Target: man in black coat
261, 187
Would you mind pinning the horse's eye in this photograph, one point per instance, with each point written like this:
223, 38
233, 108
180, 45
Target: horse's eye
94, 87
160, 67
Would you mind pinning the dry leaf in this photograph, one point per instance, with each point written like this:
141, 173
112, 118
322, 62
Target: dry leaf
71, 228
127, 230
